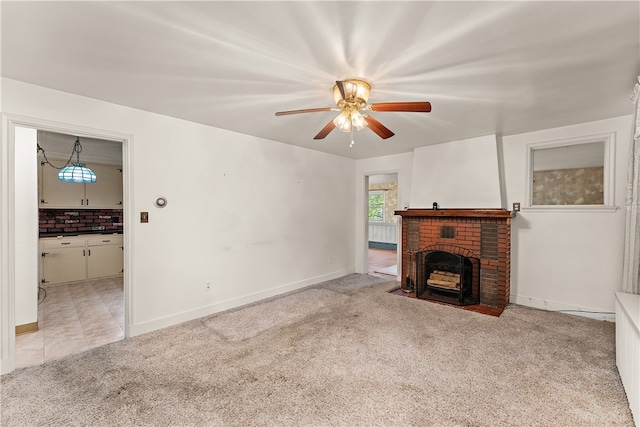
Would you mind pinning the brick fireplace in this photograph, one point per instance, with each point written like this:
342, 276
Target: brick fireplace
480, 235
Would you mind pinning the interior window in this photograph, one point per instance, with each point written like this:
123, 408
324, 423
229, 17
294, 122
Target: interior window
571, 173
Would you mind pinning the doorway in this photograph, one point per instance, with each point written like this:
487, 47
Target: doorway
80, 291
382, 240
24, 250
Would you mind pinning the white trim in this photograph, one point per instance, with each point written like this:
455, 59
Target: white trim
609, 170
185, 316
7, 221
7, 251
362, 210
562, 307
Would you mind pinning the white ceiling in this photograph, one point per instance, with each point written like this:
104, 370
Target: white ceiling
61, 147
486, 67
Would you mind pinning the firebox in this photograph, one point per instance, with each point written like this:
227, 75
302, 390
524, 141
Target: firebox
447, 277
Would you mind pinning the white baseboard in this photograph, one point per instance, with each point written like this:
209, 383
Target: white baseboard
548, 305
175, 319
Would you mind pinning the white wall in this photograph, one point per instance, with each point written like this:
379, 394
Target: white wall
457, 174
566, 260
250, 216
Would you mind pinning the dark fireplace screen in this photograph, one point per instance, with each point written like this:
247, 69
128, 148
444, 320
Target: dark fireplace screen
447, 277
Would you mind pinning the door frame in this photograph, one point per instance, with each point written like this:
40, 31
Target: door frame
7, 221
362, 233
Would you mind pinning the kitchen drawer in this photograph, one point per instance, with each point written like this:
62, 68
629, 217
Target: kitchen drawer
63, 243
105, 240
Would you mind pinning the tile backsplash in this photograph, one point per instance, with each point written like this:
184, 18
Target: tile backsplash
54, 221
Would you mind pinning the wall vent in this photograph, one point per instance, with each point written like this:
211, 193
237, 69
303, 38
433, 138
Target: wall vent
447, 232
489, 241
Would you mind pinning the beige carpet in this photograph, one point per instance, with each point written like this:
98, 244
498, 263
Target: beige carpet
343, 353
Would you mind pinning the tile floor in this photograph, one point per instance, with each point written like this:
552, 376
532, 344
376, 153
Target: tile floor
73, 318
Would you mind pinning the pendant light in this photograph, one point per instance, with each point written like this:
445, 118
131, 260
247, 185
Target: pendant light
77, 172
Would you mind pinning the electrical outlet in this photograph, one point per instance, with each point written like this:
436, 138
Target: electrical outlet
144, 217
516, 207
207, 287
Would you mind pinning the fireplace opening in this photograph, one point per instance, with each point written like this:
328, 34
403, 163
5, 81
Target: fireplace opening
447, 277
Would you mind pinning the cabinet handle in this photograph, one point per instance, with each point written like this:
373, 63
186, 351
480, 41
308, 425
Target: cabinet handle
43, 254
43, 201
44, 281
84, 253
82, 202
87, 202
66, 243
89, 252
106, 241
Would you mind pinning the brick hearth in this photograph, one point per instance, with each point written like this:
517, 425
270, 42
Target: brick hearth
484, 233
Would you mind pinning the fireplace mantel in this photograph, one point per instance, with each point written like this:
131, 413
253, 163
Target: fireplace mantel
456, 213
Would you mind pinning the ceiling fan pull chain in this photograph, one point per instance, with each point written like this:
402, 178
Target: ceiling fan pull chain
351, 137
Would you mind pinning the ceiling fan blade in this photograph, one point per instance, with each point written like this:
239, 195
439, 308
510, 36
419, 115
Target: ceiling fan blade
307, 110
381, 130
325, 130
412, 107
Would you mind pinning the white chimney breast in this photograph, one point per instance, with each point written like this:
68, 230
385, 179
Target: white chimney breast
457, 174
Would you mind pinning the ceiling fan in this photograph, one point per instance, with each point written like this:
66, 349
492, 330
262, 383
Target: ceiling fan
351, 97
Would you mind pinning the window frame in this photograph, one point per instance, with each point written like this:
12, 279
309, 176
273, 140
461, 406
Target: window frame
608, 174
384, 204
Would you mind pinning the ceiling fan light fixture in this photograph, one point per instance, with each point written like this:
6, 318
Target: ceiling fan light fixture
357, 120
343, 121
351, 97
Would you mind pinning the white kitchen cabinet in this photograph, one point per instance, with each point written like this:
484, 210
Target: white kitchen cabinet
106, 192
54, 193
104, 256
80, 258
62, 260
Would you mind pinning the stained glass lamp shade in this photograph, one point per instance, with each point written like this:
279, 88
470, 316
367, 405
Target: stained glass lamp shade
78, 172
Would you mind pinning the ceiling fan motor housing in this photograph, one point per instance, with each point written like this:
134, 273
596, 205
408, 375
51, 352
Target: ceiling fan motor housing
356, 93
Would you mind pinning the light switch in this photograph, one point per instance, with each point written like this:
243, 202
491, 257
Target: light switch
144, 216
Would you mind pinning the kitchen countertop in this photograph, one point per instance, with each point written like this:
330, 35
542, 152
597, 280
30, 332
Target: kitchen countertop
79, 233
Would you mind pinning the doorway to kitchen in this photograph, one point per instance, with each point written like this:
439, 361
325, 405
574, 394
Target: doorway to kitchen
382, 240
80, 297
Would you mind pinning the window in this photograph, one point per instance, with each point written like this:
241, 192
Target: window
572, 173
376, 206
